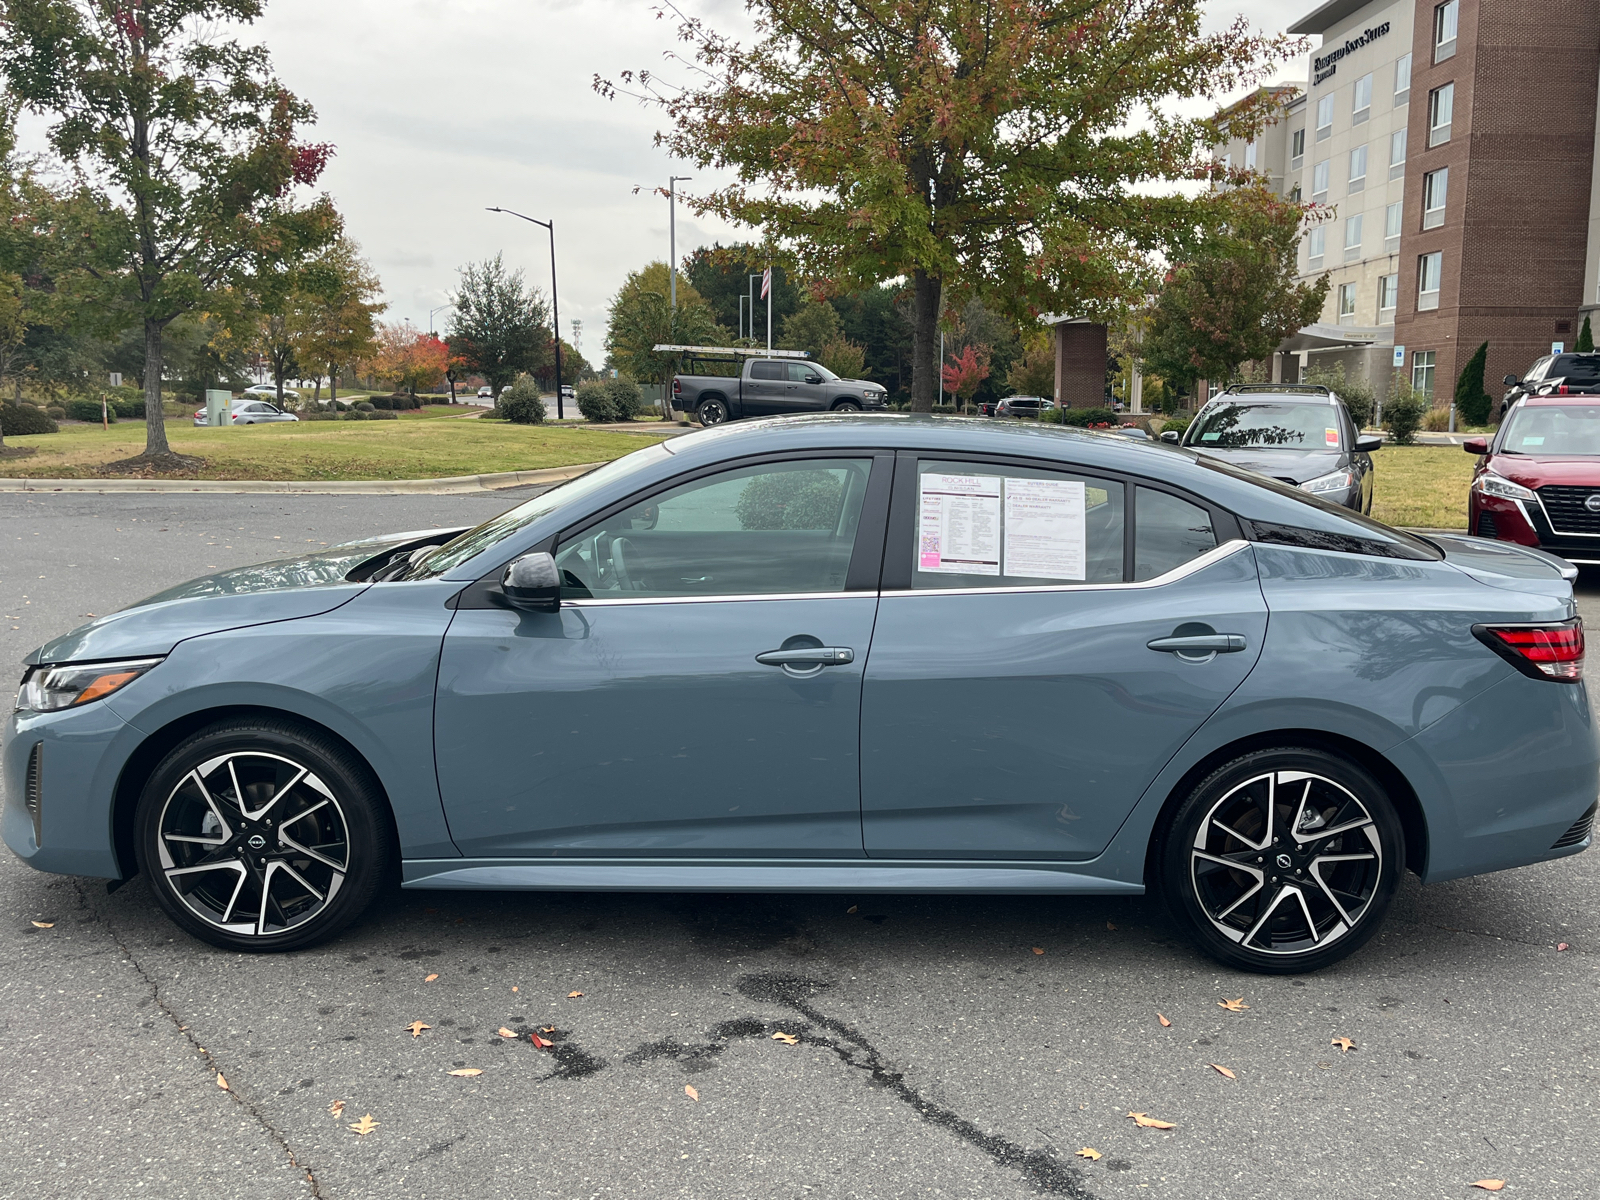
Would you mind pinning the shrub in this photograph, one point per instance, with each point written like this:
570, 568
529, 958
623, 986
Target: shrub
1355, 393
1436, 420
387, 414
56, 412
19, 421
594, 402
790, 500
320, 416
521, 403
355, 415
381, 402
1404, 410
88, 410
1473, 404
1178, 423
626, 400
364, 406
1081, 416
128, 410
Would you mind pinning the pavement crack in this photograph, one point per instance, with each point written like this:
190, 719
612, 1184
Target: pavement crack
1484, 933
212, 1065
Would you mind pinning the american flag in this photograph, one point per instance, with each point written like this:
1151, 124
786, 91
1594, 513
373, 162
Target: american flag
766, 282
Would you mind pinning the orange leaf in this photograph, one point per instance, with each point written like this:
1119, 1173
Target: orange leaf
1233, 1005
469, 1071
788, 1039
1165, 1024
221, 1082
336, 1109
514, 989
416, 1028
573, 995
1222, 1070
1149, 1122
431, 978
365, 1126
540, 1042
691, 1093
1490, 1185
1038, 949
1089, 1152
548, 1029
1345, 1044
505, 1033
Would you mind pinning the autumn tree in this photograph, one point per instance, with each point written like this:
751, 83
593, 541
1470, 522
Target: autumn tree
1033, 372
641, 317
1237, 296
962, 374
335, 309
407, 360
186, 141
500, 326
1001, 148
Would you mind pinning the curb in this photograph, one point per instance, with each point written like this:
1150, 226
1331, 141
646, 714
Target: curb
452, 485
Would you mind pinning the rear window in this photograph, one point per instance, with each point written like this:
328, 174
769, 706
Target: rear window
768, 370
1575, 368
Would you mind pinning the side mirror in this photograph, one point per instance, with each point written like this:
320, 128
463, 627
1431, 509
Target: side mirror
1367, 443
532, 583
813, 378
1171, 435
1477, 445
1511, 381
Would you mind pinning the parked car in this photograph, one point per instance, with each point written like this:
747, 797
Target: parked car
486, 394
247, 410
268, 391
266, 744
768, 387
986, 408
1556, 374
568, 392
1299, 434
1023, 406
1537, 482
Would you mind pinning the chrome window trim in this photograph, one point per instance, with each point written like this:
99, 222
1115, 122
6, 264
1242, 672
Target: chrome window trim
610, 602
1215, 555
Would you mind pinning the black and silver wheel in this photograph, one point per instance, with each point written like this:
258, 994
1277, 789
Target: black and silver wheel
847, 406
712, 412
262, 835
1283, 860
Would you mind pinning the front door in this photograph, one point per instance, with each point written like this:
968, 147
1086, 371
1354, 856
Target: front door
1038, 657
806, 391
698, 693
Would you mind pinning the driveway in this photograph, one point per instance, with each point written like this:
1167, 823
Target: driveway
942, 1046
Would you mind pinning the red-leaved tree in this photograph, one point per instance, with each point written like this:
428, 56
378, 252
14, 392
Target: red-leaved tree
966, 371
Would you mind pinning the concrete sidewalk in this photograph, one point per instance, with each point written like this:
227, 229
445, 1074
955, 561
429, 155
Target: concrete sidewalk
334, 487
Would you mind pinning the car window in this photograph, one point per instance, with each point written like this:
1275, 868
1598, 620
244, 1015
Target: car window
981, 525
1167, 532
768, 370
1576, 368
1536, 372
777, 528
802, 372
1552, 429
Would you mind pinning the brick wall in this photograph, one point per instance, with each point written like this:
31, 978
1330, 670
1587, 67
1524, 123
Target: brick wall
1080, 364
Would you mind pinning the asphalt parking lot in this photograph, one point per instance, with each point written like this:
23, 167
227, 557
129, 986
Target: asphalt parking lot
937, 1053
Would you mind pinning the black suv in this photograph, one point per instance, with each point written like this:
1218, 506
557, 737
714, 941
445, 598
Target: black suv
1299, 434
1575, 374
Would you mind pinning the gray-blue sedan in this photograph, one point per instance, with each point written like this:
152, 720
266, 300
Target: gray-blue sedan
788, 655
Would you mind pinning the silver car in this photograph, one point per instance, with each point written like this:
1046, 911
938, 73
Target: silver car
248, 410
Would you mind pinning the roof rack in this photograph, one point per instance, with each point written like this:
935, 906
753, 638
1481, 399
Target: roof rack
1278, 389
730, 351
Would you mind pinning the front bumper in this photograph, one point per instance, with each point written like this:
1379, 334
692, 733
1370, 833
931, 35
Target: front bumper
81, 754
1526, 523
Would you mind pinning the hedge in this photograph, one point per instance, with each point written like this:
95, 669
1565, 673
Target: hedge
17, 421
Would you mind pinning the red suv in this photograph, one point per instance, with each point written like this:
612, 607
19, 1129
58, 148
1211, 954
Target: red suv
1538, 480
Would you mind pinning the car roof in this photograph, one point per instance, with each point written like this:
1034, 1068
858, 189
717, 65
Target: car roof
1276, 394
1554, 401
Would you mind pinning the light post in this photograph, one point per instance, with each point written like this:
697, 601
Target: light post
555, 309
672, 234
431, 311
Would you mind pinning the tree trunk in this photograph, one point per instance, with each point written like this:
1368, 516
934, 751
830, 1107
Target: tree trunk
155, 425
333, 382
925, 341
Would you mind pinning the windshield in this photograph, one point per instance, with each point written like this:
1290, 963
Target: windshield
1227, 426
475, 541
1552, 429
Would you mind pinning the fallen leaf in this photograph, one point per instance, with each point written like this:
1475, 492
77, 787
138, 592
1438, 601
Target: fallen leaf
1233, 1005
416, 1028
852, 908
788, 1039
430, 978
505, 1033
1165, 1024
1109, 925
540, 1042
691, 1093
1038, 949
221, 1082
552, 1028
573, 995
365, 1126
336, 1109
1222, 1070
515, 989
1490, 1185
1559, 945
1345, 1044
1148, 1122
1090, 1153
467, 1071
52, 925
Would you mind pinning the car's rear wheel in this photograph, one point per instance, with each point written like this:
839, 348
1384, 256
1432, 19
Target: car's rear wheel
262, 835
712, 412
1283, 860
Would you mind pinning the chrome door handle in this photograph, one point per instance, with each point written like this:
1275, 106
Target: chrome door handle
1204, 643
807, 656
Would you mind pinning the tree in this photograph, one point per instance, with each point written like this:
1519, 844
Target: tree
721, 276
1034, 371
998, 149
641, 317
1351, 389
407, 360
337, 311
1236, 298
1403, 410
500, 327
186, 143
1473, 403
966, 371
1585, 337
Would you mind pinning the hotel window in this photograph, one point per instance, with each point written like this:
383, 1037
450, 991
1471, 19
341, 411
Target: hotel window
1227, 161
1347, 304
1445, 18
1435, 187
1429, 268
1294, 194
1391, 227
1362, 107
1358, 168
1422, 372
1388, 298
1297, 149
1441, 104
1319, 182
1249, 156
1316, 244
1397, 153
1402, 79
1352, 238
1324, 118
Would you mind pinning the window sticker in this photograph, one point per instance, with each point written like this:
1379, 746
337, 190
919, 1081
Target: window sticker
1210, 437
1332, 437
958, 524
1044, 528
1533, 441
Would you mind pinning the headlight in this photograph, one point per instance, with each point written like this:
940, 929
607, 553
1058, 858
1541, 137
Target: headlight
52, 688
1334, 481
1496, 485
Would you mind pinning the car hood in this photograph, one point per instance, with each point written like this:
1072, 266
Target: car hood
282, 590
1291, 466
1536, 470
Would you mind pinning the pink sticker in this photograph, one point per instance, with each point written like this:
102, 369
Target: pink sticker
1332, 436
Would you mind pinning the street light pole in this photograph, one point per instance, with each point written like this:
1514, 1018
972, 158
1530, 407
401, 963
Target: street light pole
672, 234
555, 308
431, 311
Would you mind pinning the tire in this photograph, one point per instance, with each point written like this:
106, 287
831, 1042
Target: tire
237, 874
712, 411
1285, 902
847, 406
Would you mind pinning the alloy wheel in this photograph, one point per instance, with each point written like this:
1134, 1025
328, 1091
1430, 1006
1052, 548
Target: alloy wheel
712, 412
253, 843
1287, 862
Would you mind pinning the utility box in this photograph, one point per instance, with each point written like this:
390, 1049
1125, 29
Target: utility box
217, 404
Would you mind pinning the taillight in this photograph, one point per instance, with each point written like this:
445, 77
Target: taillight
1545, 651
677, 387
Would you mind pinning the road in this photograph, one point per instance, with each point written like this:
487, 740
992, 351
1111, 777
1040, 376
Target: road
939, 1053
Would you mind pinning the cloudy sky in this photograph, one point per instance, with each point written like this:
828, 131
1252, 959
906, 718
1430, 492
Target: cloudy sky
440, 110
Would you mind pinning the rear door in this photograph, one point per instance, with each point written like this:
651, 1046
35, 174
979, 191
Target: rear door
1046, 640
765, 388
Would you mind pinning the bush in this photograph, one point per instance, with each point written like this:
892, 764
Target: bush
1177, 423
387, 414
1404, 410
1436, 420
18, 421
355, 415
1355, 393
1473, 404
595, 403
56, 412
128, 410
315, 415
365, 406
1081, 417
88, 410
790, 500
626, 399
381, 402
521, 403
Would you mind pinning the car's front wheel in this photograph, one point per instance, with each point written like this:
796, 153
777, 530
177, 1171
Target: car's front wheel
847, 406
712, 412
1283, 860
262, 835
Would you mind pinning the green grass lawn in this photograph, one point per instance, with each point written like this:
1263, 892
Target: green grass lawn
326, 450
1422, 486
